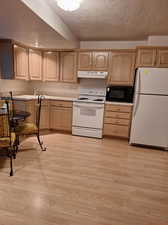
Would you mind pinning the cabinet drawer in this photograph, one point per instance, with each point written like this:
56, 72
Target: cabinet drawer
45, 103
65, 104
117, 115
115, 130
118, 108
123, 122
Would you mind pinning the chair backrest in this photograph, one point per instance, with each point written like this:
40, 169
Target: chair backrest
12, 103
5, 130
38, 111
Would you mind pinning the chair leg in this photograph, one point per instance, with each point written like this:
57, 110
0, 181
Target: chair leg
17, 143
41, 143
11, 163
14, 152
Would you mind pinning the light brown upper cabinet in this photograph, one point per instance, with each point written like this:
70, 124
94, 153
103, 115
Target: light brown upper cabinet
100, 61
50, 66
21, 66
93, 60
85, 61
121, 71
152, 57
162, 57
35, 64
146, 57
68, 66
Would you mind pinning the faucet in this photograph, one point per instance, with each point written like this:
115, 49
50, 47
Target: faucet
35, 91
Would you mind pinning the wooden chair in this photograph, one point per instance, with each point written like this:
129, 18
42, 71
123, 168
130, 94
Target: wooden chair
7, 136
26, 128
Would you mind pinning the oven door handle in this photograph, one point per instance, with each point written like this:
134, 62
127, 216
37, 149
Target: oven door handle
87, 106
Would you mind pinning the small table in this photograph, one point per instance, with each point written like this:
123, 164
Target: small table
20, 115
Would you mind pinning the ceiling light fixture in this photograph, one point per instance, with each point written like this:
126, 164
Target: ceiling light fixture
69, 5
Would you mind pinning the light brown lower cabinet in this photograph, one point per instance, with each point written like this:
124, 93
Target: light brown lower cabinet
117, 120
61, 115
45, 119
116, 130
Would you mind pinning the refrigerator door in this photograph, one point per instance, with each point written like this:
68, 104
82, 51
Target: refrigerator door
150, 121
152, 81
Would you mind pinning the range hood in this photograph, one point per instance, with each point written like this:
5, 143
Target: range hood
92, 74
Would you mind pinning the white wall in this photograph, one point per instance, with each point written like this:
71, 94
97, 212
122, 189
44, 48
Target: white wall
112, 44
152, 40
57, 89
15, 86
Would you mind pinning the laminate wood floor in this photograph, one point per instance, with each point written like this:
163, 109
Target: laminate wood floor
83, 181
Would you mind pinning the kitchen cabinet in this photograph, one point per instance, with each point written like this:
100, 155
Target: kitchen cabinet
68, 66
152, 57
35, 64
93, 60
146, 57
117, 120
162, 57
122, 65
21, 63
85, 61
61, 115
45, 115
100, 61
50, 66
30, 107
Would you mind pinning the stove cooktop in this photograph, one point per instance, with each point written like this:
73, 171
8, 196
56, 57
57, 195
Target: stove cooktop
92, 99
98, 100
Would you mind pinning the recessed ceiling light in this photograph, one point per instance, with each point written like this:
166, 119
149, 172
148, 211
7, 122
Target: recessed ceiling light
69, 5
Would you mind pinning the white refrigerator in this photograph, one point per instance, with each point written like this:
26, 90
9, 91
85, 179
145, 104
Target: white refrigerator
150, 113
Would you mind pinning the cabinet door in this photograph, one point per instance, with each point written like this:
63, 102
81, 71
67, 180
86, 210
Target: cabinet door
30, 107
68, 66
61, 118
21, 63
44, 119
35, 64
100, 61
162, 58
85, 61
51, 66
146, 57
121, 68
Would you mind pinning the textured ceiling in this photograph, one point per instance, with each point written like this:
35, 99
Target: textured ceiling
18, 22
117, 19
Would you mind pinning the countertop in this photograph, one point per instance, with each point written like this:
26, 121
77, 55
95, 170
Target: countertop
119, 103
33, 97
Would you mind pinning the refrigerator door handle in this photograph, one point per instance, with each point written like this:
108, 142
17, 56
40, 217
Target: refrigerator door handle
137, 96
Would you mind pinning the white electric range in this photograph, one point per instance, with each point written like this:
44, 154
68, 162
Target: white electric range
88, 109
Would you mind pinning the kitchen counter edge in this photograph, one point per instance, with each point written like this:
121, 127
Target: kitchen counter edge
119, 103
29, 98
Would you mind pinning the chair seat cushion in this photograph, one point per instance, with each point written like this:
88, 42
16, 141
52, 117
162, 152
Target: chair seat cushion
26, 129
5, 141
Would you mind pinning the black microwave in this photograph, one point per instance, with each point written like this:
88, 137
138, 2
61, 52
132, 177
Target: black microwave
120, 94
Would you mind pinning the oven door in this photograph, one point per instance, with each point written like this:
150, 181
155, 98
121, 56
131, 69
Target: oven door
88, 115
